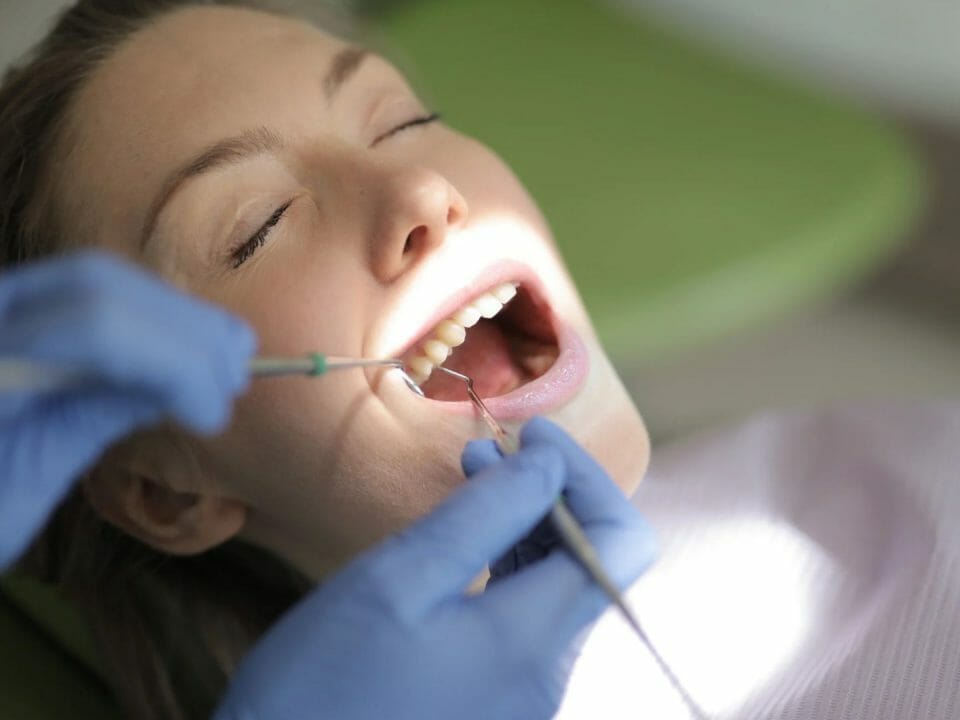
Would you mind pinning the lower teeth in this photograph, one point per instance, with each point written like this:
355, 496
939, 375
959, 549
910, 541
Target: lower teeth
534, 357
537, 365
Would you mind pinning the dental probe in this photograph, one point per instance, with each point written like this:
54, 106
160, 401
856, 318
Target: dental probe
18, 375
318, 364
579, 546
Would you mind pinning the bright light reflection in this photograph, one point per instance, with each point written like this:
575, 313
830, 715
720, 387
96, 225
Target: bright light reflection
728, 608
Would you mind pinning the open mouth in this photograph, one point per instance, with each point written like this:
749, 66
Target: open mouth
503, 339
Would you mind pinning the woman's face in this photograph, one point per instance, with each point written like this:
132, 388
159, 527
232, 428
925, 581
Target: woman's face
266, 166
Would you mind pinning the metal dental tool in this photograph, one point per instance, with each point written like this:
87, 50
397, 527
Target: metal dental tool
319, 364
17, 375
578, 545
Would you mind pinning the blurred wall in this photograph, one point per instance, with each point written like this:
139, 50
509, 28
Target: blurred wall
22, 23
902, 53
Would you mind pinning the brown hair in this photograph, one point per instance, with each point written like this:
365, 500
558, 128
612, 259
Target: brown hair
170, 629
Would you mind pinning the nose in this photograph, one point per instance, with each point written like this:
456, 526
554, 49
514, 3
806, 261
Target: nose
417, 210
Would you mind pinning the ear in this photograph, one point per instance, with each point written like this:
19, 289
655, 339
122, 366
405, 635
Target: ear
155, 490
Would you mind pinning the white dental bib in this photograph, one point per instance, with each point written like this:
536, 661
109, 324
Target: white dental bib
809, 569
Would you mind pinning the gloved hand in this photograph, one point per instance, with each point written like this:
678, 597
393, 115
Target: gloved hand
393, 635
146, 351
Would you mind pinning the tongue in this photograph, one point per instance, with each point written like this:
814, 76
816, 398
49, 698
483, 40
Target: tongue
485, 357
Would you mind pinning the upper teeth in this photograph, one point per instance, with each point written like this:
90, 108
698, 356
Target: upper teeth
452, 331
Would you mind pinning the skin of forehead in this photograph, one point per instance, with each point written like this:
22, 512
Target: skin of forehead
171, 89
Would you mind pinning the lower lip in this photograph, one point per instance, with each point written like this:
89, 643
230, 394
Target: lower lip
553, 389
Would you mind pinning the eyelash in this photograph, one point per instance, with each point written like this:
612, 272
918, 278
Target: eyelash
243, 253
424, 120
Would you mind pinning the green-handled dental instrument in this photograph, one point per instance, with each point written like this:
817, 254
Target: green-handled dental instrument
317, 364
23, 375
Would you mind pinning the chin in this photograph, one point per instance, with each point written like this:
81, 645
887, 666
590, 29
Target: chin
618, 439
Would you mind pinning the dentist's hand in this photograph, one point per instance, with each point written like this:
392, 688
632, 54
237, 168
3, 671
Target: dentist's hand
145, 350
394, 636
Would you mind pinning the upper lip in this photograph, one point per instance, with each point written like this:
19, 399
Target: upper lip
404, 326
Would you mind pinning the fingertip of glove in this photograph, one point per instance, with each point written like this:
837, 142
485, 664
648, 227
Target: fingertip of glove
243, 346
543, 461
246, 337
540, 429
242, 337
478, 455
207, 415
650, 544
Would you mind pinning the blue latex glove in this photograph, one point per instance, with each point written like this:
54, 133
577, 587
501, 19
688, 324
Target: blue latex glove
393, 635
534, 546
147, 351
543, 539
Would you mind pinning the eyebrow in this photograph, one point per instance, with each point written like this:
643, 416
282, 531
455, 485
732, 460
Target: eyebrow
344, 65
249, 143
229, 151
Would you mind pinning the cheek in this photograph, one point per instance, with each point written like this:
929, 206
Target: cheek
604, 419
326, 472
488, 184
301, 294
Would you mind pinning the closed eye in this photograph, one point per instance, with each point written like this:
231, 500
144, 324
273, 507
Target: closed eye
245, 251
424, 120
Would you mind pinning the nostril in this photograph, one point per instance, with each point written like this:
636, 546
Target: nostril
457, 210
416, 240
455, 215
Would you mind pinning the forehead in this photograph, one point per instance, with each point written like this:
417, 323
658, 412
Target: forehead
205, 61
185, 81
